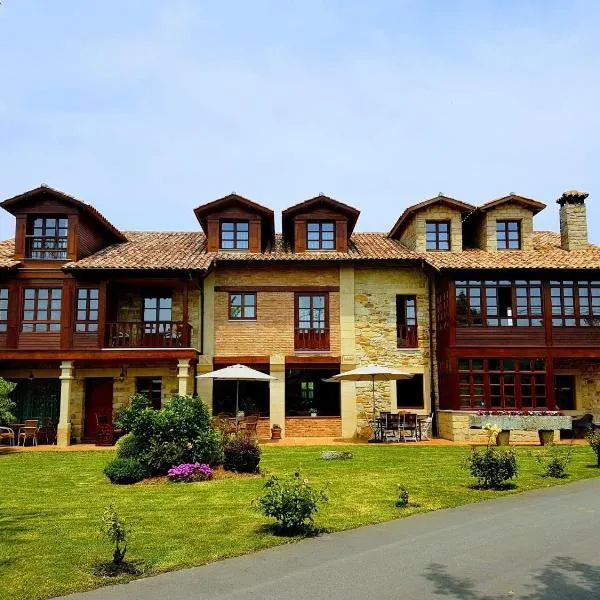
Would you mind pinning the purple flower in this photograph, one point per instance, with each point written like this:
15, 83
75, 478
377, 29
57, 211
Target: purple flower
190, 472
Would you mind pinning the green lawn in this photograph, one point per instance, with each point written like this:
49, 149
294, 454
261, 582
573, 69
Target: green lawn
51, 505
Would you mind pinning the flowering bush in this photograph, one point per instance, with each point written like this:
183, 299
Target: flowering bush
190, 472
241, 456
292, 501
520, 413
593, 438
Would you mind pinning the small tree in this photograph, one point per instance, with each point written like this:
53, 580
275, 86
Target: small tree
593, 438
113, 528
6, 404
491, 466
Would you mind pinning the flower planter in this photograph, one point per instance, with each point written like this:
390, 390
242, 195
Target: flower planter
546, 436
531, 422
275, 433
503, 438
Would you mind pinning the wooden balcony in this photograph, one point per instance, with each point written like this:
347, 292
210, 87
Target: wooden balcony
407, 336
311, 339
132, 334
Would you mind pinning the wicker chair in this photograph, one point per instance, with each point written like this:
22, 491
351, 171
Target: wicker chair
249, 427
29, 432
6, 433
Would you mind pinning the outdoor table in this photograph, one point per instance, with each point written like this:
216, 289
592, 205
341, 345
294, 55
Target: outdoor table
377, 426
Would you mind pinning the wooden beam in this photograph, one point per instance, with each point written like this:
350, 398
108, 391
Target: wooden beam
277, 288
102, 355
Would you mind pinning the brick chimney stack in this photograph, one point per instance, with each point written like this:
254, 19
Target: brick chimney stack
573, 221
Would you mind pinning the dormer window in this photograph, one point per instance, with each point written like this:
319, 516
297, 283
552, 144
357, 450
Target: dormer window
508, 235
320, 235
47, 237
234, 235
437, 234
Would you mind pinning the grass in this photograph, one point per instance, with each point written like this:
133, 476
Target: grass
51, 506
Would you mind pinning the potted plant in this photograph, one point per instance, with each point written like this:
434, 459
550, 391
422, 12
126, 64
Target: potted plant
312, 412
276, 432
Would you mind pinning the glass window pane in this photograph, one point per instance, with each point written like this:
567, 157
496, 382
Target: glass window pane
304, 301
249, 299
227, 226
249, 312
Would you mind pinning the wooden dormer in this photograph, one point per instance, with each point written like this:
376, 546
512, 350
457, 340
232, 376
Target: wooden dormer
52, 226
320, 224
236, 224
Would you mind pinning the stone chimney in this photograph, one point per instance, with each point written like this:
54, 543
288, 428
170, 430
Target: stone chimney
573, 221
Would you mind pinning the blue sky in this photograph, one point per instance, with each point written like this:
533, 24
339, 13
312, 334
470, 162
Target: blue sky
146, 109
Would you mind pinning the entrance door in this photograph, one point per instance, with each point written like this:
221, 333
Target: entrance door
98, 403
565, 392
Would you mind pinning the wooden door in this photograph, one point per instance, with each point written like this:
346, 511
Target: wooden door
98, 403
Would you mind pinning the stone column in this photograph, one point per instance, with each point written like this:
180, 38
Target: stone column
64, 420
183, 376
277, 392
348, 349
205, 386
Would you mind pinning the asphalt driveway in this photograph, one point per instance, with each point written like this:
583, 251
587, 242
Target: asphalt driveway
541, 545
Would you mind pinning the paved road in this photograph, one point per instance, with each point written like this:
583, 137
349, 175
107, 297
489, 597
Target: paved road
542, 545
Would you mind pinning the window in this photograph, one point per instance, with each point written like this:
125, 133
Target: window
565, 392
3, 309
234, 235
312, 322
437, 235
499, 303
86, 311
242, 306
41, 309
575, 303
508, 235
406, 321
47, 238
307, 389
320, 235
157, 315
151, 387
409, 392
502, 383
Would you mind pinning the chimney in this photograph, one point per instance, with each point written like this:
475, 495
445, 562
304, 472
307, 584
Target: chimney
573, 222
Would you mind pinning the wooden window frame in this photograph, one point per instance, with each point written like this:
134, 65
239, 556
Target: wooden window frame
320, 239
482, 379
87, 324
526, 303
312, 296
238, 243
156, 403
575, 303
436, 243
48, 323
58, 244
157, 325
407, 327
4, 295
503, 227
242, 306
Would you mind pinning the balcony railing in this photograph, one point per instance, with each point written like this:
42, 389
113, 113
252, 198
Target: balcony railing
46, 247
140, 334
407, 336
311, 339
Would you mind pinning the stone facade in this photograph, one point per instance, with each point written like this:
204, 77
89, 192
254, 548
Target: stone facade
413, 236
485, 236
573, 226
587, 383
376, 341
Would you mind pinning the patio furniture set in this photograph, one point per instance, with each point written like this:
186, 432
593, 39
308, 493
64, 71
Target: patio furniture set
246, 426
30, 431
401, 427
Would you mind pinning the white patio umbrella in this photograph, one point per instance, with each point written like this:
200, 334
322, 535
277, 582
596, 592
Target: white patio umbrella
372, 373
236, 373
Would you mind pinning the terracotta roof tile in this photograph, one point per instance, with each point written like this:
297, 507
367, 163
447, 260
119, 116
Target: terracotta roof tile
546, 254
7, 251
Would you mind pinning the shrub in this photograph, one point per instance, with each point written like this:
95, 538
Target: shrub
242, 456
128, 446
554, 461
402, 501
493, 467
113, 528
190, 472
6, 404
593, 438
130, 413
292, 501
125, 470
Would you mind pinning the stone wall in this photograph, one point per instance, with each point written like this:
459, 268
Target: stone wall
573, 226
485, 237
376, 341
413, 236
587, 383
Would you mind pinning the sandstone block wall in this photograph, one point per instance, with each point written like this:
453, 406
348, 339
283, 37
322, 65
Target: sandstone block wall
486, 235
414, 235
573, 227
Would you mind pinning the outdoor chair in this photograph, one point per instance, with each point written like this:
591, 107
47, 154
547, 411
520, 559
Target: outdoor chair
408, 427
249, 427
425, 428
391, 427
6, 433
47, 432
29, 432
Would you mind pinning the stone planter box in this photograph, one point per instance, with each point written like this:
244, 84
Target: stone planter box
523, 422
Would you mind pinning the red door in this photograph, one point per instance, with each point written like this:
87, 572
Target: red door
98, 404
